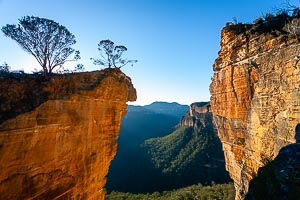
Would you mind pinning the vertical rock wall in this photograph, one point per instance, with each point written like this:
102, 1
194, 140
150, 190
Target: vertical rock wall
62, 148
199, 117
255, 99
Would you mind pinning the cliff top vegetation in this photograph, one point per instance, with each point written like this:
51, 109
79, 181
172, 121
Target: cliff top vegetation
51, 45
285, 21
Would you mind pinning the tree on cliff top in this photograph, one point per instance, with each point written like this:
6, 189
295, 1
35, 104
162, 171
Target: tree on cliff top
49, 42
5, 68
111, 55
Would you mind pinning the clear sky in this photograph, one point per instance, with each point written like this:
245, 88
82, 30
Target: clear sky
174, 41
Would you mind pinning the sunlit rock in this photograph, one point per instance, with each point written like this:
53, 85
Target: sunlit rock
61, 134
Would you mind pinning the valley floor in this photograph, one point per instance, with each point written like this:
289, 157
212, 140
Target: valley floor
194, 192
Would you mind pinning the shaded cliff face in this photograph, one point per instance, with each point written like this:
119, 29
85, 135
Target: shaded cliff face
199, 117
255, 99
59, 144
280, 178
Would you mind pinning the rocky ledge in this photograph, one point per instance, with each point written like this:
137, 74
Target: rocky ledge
59, 135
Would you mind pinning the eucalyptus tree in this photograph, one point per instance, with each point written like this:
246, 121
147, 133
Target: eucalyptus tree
49, 42
112, 55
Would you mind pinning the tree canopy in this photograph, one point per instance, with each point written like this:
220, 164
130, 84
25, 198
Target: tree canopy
111, 55
49, 42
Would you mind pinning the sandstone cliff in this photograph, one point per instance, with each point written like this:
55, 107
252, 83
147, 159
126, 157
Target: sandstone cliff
255, 96
199, 117
58, 136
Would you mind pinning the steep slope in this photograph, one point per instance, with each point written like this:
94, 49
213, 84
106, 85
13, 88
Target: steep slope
192, 153
256, 94
61, 134
130, 171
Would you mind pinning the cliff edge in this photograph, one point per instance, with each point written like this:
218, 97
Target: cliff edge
255, 95
199, 116
58, 136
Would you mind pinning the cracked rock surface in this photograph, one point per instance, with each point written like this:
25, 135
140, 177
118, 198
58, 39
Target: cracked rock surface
61, 134
255, 100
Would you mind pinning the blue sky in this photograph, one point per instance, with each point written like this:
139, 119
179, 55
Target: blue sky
174, 41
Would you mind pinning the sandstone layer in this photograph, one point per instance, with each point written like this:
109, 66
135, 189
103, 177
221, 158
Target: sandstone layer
58, 136
255, 98
199, 117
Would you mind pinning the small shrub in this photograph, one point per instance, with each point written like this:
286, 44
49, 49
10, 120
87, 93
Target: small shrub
293, 28
4, 68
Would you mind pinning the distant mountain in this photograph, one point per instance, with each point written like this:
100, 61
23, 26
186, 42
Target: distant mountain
172, 109
156, 119
131, 164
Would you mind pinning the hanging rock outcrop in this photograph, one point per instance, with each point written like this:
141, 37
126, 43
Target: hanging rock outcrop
58, 136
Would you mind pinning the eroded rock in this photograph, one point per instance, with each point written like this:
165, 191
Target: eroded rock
255, 99
59, 145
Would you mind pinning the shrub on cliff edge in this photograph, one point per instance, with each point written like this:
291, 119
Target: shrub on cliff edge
111, 55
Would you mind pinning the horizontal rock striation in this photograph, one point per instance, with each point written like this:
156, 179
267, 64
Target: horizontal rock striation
255, 98
199, 117
61, 134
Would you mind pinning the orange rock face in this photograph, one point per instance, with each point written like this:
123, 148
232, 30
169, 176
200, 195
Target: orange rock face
255, 100
62, 147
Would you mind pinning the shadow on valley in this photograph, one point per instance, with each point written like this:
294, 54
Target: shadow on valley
157, 154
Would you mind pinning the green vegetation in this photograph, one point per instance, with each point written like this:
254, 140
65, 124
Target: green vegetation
149, 160
188, 157
132, 165
174, 152
199, 192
